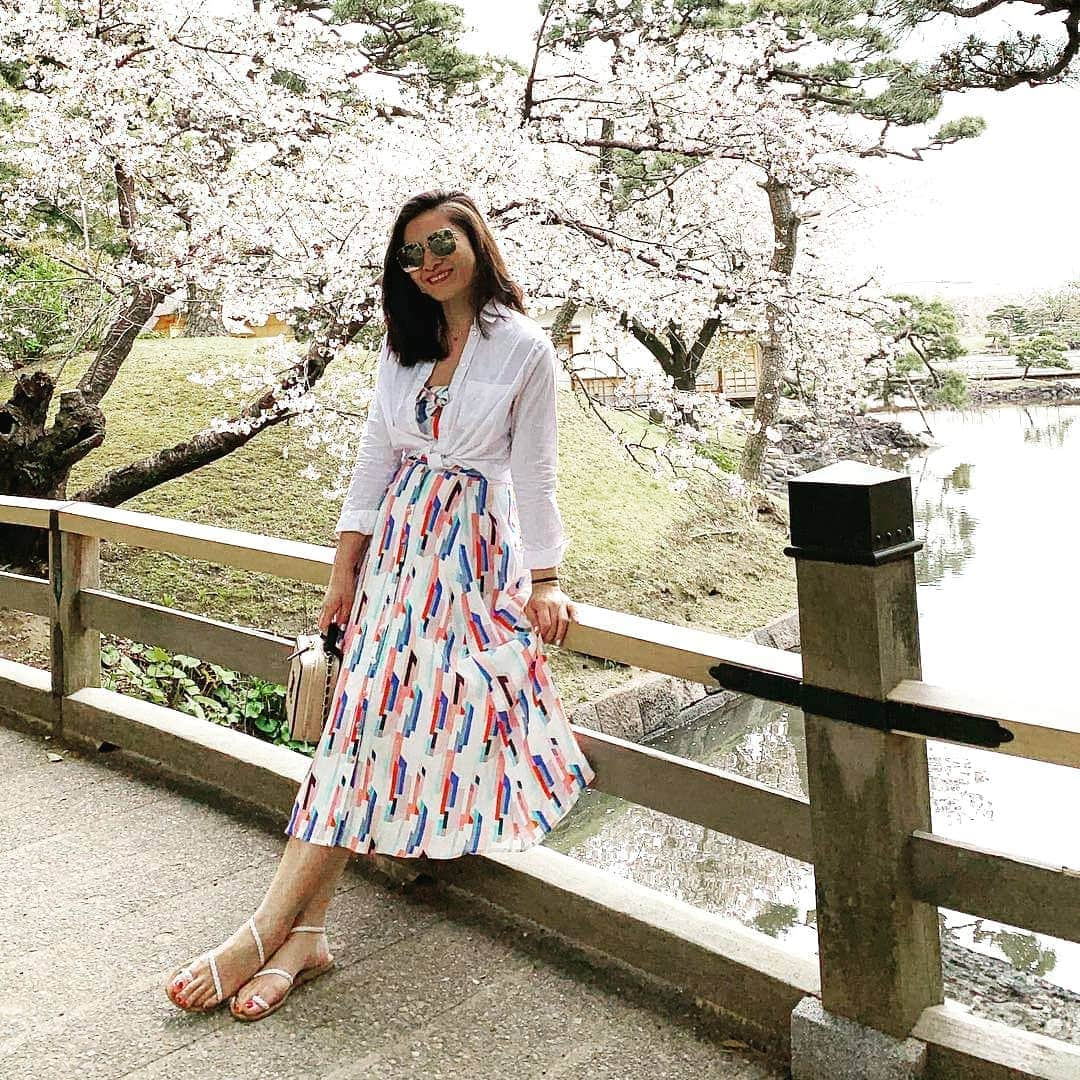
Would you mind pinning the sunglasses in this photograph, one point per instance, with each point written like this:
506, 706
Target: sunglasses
410, 257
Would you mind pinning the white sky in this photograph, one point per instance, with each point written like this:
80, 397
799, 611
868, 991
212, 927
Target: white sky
996, 214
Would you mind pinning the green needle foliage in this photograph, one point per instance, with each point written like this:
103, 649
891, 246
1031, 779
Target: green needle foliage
1044, 349
931, 330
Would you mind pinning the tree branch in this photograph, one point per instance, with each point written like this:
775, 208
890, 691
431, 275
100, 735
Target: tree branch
210, 445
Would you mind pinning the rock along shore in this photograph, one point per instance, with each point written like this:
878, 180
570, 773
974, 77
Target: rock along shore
1066, 392
812, 443
995, 989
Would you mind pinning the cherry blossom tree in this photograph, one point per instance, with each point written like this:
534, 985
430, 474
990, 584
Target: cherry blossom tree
661, 162
829, 56
258, 154
689, 124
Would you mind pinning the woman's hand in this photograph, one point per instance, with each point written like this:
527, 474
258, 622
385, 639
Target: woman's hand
551, 611
338, 601
341, 591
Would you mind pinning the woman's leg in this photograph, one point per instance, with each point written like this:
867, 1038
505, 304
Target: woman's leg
324, 885
308, 874
302, 876
298, 952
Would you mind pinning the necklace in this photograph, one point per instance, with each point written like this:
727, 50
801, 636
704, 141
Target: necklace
455, 339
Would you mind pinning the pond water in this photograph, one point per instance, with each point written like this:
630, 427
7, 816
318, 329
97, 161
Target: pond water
998, 603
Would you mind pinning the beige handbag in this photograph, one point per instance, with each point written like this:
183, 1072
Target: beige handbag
313, 673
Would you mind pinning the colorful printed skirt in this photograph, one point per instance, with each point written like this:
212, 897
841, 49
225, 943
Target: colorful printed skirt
446, 735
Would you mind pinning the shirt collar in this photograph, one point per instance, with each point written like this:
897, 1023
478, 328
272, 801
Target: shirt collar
492, 311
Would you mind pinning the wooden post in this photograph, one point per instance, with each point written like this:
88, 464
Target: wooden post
852, 533
75, 651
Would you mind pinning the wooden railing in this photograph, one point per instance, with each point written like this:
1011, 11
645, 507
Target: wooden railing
880, 870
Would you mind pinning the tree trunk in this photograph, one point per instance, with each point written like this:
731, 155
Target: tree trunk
676, 359
35, 461
116, 345
785, 224
564, 319
202, 314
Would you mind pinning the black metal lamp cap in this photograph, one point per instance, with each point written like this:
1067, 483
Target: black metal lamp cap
851, 513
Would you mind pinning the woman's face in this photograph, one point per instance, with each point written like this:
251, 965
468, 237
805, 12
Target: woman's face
442, 277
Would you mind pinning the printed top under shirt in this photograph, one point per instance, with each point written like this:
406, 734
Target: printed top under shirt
497, 415
429, 405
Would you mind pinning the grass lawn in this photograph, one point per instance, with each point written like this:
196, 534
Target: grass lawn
688, 558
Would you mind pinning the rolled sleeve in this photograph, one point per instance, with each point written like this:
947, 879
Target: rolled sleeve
376, 462
534, 452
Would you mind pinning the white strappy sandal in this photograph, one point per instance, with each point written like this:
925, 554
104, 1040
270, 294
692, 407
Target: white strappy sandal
304, 975
188, 975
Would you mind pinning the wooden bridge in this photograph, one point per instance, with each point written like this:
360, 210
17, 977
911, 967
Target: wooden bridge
871, 1005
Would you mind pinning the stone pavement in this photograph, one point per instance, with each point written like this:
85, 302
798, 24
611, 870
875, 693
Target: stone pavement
107, 882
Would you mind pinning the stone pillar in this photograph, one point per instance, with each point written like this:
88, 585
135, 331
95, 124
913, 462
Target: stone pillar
852, 533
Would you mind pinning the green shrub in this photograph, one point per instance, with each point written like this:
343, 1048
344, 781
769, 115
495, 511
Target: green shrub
952, 393
33, 305
44, 304
198, 688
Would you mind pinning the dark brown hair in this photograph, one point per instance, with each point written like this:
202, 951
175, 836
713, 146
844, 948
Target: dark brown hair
415, 321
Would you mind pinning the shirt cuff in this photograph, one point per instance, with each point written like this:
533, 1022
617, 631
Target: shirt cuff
362, 521
541, 558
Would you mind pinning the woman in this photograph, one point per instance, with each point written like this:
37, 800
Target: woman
446, 734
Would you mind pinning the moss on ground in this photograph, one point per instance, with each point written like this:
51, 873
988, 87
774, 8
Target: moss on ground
693, 558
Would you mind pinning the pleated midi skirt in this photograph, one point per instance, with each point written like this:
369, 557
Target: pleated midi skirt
446, 734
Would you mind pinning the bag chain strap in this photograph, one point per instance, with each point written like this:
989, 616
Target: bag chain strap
328, 692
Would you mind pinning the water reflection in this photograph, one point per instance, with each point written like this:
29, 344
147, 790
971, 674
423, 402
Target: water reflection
948, 533
1047, 432
690, 862
772, 919
1026, 952
1022, 948
761, 741
996, 613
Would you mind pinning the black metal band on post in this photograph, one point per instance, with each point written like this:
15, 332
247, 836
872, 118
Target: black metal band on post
954, 726
854, 514
856, 558
867, 712
762, 684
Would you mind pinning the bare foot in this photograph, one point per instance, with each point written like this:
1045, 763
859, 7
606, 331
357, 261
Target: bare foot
263, 992
192, 988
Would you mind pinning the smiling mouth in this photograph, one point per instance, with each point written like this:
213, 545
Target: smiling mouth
439, 278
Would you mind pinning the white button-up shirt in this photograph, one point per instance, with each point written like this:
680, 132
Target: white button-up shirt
499, 418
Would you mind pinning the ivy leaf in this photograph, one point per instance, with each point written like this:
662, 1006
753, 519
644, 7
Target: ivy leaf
224, 675
129, 665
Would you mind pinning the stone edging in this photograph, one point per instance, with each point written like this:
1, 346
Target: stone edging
650, 704
1065, 392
